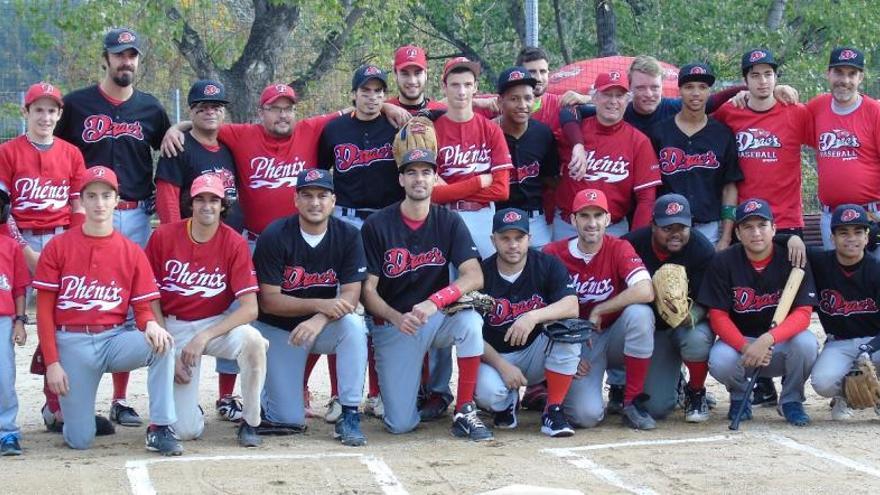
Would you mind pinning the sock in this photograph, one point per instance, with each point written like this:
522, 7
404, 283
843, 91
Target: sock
557, 387
698, 371
467, 380
426, 370
331, 368
226, 384
371, 369
120, 385
51, 399
636, 372
310, 365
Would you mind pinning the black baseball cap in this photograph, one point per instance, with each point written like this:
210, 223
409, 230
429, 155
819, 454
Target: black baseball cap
417, 155
671, 209
514, 76
366, 73
845, 56
753, 207
510, 218
849, 214
695, 72
314, 177
752, 58
206, 90
121, 39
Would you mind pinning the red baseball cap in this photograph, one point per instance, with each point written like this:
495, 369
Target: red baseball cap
410, 55
43, 90
275, 91
100, 173
589, 197
611, 79
208, 183
454, 63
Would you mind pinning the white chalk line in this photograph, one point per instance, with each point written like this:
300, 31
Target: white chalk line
139, 473
824, 454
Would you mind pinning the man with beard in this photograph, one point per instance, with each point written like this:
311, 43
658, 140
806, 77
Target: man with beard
411, 76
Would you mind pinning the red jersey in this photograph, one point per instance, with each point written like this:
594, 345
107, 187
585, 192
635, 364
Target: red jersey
267, 166
200, 280
467, 149
620, 161
607, 274
96, 278
14, 275
847, 152
41, 183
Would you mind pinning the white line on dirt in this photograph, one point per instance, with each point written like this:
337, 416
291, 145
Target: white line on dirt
824, 454
642, 443
383, 475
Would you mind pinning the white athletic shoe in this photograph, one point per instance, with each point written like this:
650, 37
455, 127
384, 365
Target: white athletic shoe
374, 407
334, 410
840, 410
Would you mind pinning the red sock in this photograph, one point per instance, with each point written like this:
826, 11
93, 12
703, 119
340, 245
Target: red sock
310, 365
467, 380
331, 367
226, 384
371, 369
636, 372
51, 399
557, 387
120, 385
698, 371
426, 370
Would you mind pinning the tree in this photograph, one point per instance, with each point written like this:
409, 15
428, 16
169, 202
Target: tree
606, 29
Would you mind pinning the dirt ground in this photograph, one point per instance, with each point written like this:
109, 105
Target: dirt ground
766, 455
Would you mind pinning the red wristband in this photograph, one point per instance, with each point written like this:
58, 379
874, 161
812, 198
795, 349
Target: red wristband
445, 296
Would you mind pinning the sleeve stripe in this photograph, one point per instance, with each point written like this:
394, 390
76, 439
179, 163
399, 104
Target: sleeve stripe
501, 166
252, 288
45, 285
649, 184
151, 295
640, 273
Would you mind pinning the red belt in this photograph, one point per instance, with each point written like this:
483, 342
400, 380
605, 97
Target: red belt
467, 206
379, 321
127, 205
85, 328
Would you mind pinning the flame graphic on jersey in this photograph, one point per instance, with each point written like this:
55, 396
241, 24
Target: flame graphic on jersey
273, 184
89, 305
206, 292
46, 204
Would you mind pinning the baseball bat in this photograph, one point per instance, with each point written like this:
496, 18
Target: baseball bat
786, 299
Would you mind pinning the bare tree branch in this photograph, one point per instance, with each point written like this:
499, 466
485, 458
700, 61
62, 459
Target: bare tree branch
775, 14
333, 44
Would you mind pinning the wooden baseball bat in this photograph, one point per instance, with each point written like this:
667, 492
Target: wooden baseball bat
786, 299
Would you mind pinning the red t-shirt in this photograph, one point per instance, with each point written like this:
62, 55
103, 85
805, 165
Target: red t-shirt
847, 152
467, 149
41, 183
769, 150
14, 275
267, 166
96, 278
620, 161
200, 280
606, 275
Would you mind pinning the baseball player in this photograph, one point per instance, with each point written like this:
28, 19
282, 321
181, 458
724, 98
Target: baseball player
847, 143
530, 288
410, 248
532, 149
614, 290
697, 157
612, 156
741, 289
671, 238
411, 76
82, 303
310, 267
14, 280
117, 126
202, 266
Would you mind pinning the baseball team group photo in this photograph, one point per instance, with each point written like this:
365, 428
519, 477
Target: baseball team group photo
449, 270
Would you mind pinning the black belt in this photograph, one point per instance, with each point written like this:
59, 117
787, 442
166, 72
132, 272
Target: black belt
362, 213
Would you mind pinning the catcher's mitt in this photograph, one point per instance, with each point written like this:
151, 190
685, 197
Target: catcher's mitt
417, 133
861, 386
671, 294
482, 303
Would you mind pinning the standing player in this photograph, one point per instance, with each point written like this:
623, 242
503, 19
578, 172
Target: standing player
82, 303
530, 288
410, 248
741, 288
411, 76
614, 291
698, 157
310, 267
672, 239
202, 267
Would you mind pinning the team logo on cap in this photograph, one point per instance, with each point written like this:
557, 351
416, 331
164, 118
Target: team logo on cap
849, 215
592, 196
281, 88
698, 70
211, 90
125, 37
98, 171
516, 75
47, 88
417, 154
674, 208
847, 55
411, 53
511, 216
757, 55
371, 70
313, 175
614, 75
751, 206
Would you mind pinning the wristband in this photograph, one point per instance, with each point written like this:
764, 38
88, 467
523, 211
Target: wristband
445, 296
728, 212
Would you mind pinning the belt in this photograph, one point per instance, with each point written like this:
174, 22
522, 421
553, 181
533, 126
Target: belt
535, 213
467, 206
248, 235
91, 329
362, 213
379, 321
124, 204
46, 231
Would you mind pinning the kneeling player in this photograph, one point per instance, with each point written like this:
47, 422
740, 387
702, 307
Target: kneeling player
202, 267
87, 278
530, 288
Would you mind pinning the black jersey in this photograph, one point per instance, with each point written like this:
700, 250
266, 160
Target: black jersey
535, 156
848, 296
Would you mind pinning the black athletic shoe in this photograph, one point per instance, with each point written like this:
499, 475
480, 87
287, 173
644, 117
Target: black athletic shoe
615, 400
162, 439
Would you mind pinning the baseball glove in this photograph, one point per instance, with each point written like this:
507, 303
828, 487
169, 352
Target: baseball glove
417, 133
482, 303
861, 386
671, 294
568, 331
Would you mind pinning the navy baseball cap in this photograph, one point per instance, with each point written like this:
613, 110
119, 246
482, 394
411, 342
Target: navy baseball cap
121, 39
752, 58
695, 72
849, 214
314, 177
206, 90
417, 155
844, 56
510, 218
514, 76
671, 209
753, 207
366, 73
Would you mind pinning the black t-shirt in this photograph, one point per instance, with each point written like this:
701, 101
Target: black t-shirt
848, 296
534, 156
285, 259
